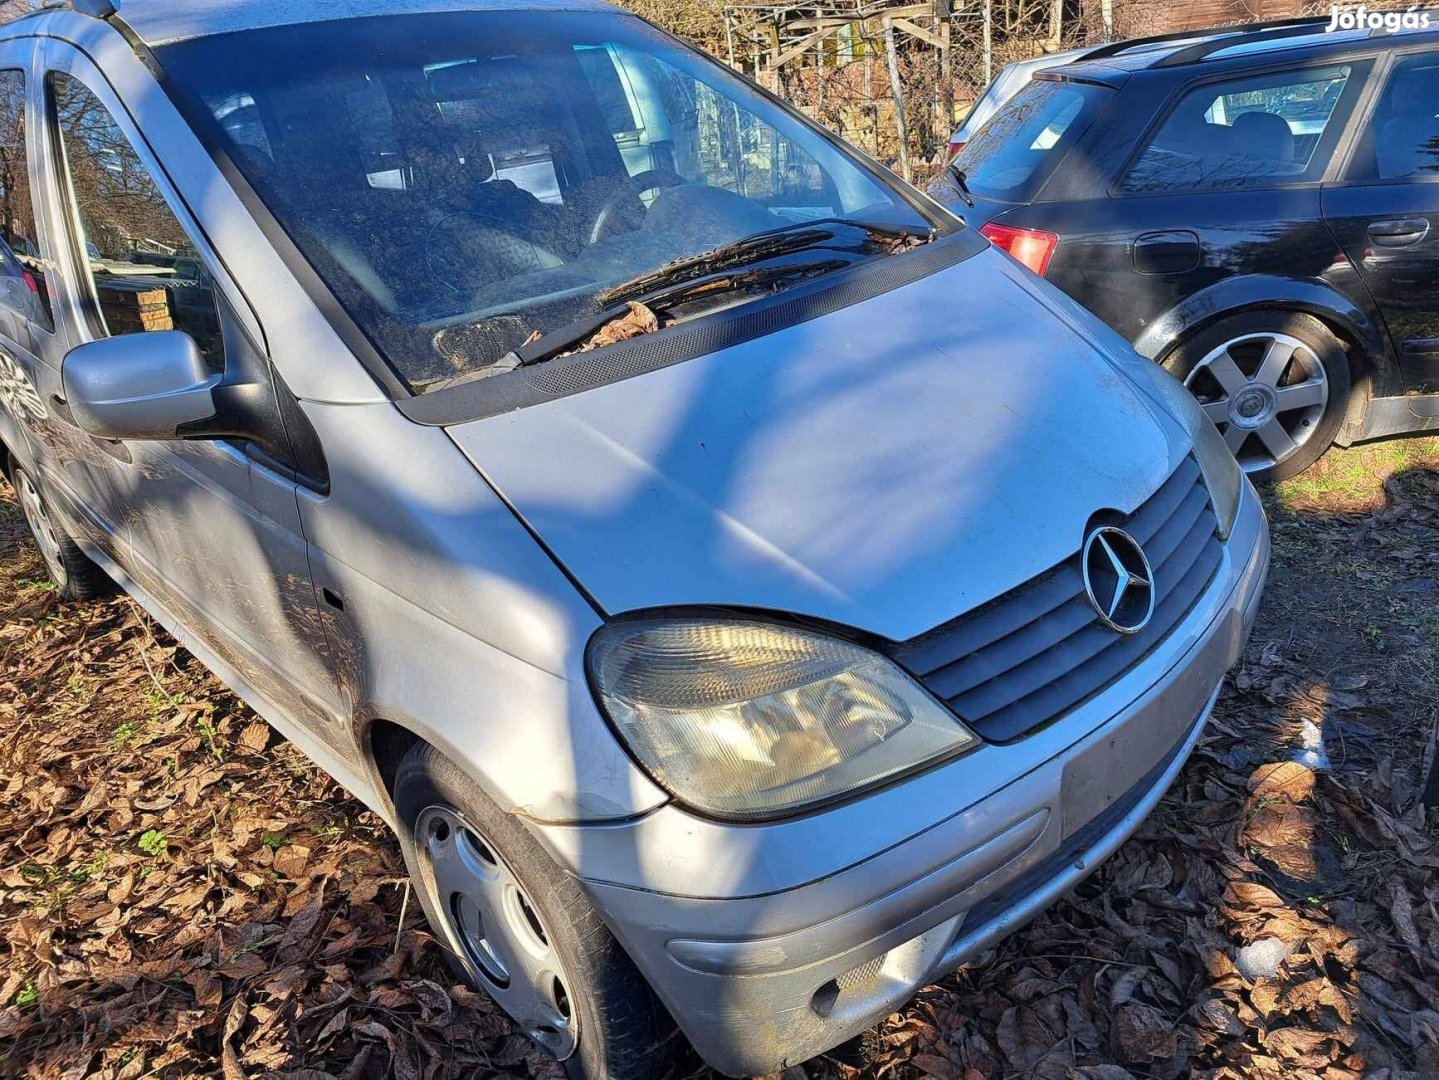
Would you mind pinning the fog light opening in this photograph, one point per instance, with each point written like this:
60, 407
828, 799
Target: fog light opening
824, 998
856, 982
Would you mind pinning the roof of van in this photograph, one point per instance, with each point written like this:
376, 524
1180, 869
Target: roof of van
159, 22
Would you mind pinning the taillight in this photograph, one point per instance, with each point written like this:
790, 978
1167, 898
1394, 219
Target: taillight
955, 148
30, 282
1031, 247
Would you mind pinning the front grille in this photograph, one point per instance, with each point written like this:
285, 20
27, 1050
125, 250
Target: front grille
1033, 654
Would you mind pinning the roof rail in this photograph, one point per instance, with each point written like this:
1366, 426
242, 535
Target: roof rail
1199, 50
1115, 48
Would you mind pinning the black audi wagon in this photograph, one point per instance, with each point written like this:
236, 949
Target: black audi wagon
1256, 208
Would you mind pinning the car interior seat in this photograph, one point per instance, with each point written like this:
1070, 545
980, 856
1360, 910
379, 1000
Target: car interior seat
1263, 135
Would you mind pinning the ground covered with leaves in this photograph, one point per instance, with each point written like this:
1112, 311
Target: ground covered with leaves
182, 894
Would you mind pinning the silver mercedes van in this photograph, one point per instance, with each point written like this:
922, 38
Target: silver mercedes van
746, 593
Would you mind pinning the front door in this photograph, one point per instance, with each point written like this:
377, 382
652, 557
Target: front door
1385, 213
213, 526
73, 468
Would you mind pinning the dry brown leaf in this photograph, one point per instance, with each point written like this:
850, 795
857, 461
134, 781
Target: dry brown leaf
1310, 1049
1282, 780
636, 320
255, 736
1401, 911
1023, 1037
1250, 894
290, 860
1144, 1033
934, 1065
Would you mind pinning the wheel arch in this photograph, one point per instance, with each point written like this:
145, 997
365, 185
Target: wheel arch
1372, 364
10, 436
385, 744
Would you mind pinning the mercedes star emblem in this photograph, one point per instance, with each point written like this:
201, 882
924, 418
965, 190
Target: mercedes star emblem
1118, 579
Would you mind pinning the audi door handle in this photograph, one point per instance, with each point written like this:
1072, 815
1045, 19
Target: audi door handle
1398, 232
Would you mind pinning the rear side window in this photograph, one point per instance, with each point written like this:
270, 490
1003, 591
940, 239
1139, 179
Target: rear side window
23, 288
1249, 133
1404, 133
1014, 153
146, 273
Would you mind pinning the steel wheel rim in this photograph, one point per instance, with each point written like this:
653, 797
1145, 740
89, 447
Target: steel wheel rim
41, 527
1265, 392
496, 930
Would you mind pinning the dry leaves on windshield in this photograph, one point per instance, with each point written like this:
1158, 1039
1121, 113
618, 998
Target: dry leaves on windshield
636, 321
893, 245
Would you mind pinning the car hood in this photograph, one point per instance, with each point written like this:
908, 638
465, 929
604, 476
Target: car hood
888, 466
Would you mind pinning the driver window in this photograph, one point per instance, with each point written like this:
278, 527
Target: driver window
144, 271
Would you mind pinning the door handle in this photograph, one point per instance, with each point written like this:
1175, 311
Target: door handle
1398, 232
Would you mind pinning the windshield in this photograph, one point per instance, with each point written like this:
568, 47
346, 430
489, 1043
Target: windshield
465, 182
1014, 153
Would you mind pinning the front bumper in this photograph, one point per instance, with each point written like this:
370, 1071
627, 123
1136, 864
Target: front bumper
772, 943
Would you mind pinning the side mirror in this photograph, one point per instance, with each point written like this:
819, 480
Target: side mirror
140, 386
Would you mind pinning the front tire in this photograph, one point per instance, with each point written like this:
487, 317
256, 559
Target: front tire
1275, 383
75, 577
519, 928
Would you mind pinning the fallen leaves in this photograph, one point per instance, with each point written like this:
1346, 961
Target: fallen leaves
181, 892
260, 939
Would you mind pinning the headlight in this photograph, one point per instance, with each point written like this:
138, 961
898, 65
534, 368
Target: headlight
1222, 474
750, 720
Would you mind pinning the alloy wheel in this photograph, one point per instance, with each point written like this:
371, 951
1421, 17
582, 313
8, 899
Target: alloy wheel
1265, 392
501, 938
38, 518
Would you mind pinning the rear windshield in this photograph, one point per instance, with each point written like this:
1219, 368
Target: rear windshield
466, 182
1013, 154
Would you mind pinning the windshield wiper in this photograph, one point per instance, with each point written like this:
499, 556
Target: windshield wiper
725, 269
575, 336
761, 245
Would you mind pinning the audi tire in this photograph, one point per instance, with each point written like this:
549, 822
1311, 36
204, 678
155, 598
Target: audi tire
1275, 383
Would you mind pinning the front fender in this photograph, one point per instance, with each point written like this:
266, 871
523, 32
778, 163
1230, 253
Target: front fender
1360, 322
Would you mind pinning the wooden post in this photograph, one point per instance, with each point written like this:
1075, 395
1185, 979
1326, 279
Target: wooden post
870, 105
819, 71
988, 42
897, 91
1106, 15
771, 54
946, 78
1056, 23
